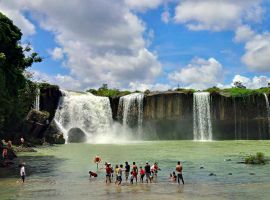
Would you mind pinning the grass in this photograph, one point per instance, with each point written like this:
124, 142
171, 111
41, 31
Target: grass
258, 159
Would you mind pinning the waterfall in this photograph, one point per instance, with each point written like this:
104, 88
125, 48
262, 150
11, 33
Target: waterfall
131, 110
268, 110
87, 112
202, 127
36, 102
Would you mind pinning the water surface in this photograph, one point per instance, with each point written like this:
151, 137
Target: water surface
61, 172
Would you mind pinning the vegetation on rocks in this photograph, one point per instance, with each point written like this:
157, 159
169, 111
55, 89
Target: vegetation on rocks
107, 92
259, 158
17, 91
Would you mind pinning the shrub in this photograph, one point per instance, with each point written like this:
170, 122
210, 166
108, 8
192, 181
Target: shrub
259, 158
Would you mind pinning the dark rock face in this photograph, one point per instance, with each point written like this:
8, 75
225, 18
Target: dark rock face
114, 102
169, 115
49, 99
35, 124
239, 117
53, 135
76, 135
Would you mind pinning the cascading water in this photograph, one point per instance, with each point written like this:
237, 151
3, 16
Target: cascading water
131, 110
85, 112
268, 110
36, 103
202, 127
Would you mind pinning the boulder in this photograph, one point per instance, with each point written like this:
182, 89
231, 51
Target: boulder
53, 135
76, 135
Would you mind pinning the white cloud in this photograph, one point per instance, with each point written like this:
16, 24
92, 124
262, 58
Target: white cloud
243, 33
14, 11
152, 87
64, 81
217, 15
142, 5
165, 17
57, 53
257, 56
199, 74
254, 83
103, 42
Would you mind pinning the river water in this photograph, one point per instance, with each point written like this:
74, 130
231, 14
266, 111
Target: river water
61, 172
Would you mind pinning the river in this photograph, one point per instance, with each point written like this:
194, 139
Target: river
61, 172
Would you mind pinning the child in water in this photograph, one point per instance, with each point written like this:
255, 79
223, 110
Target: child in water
133, 175
173, 177
142, 173
22, 171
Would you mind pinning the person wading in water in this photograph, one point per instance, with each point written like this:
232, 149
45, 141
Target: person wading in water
179, 170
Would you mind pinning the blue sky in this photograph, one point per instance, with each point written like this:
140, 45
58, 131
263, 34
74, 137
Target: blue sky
140, 44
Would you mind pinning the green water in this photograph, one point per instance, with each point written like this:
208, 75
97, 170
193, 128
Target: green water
62, 172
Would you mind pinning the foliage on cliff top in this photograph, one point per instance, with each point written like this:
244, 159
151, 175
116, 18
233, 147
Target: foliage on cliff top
238, 92
45, 86
107, 92
259, 158
185, 91
17, 92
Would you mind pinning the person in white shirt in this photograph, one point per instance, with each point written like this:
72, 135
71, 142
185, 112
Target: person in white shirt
22, 172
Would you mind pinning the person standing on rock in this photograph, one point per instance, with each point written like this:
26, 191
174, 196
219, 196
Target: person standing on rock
179, 169
22, 172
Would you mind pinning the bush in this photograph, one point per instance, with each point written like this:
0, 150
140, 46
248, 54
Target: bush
259, 158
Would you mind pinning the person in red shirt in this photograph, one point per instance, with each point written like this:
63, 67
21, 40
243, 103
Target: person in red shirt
108, 170
133, 175
142, 173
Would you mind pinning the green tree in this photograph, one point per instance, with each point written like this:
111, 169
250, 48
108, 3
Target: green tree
14, 85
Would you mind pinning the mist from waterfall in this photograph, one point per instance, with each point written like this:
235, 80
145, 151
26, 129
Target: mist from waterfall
91, 114
130, 109
202, 127
268, 110
37, 100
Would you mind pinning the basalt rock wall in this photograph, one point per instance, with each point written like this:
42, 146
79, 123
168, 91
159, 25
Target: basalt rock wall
49, 99
239, 117
169, 115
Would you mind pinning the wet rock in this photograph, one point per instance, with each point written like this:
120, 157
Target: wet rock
251, 173
76, 135
212, 174
229, 173
228, 159
24, 149
53, 135
201, 167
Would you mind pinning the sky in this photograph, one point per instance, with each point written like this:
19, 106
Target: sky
146, 44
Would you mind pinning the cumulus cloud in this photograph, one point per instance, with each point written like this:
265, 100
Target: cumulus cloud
253, 83
257, 53
14, 10
217, 15
142, 5
64, 81
152, 87
165, 17
199, 74
103, 40
243, 33
57, 53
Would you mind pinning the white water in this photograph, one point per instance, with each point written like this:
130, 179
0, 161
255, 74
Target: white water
202, 127
268, 109
36, 103
90, 113
130, 104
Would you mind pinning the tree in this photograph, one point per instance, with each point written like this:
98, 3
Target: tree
239, 84
14, 86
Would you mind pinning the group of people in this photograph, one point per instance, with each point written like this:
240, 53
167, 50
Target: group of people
133, 173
